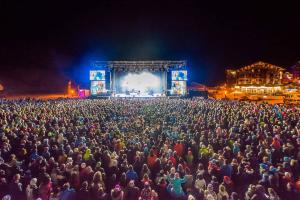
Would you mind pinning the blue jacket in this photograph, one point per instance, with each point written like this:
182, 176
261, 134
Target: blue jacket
226, 170
68, 194
131, 175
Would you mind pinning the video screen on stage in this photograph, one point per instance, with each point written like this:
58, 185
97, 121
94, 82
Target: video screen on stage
144, 83
179, 75
97, 75
178, 88
97, 87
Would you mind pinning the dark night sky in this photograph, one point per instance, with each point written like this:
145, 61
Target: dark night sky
42, 45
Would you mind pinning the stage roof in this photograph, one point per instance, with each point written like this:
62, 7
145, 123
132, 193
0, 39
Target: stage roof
155, 64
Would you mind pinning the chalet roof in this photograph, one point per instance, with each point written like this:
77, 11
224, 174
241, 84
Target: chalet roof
261, 65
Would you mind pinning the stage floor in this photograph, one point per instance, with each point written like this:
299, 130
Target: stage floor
138, 95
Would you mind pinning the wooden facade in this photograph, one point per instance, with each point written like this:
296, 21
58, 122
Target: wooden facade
257, 78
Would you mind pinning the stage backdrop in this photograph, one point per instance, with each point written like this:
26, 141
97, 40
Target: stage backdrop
144, 81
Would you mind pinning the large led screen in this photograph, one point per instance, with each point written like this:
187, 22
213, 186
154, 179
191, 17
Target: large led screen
178, 88
144, 82
180, 75
97, 75
97, 87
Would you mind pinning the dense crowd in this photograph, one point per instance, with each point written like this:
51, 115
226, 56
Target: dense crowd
148, 149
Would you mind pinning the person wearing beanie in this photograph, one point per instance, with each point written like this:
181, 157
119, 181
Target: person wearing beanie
117, 193
32, 190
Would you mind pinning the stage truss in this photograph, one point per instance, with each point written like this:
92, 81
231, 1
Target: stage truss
159, 65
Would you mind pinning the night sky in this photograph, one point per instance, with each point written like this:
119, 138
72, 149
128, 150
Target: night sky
43, 44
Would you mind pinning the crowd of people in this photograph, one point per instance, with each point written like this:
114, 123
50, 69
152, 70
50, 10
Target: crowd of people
148, 149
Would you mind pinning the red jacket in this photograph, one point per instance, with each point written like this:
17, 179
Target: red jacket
151, 160
179, 148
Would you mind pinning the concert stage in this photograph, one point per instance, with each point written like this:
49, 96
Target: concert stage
138, 78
